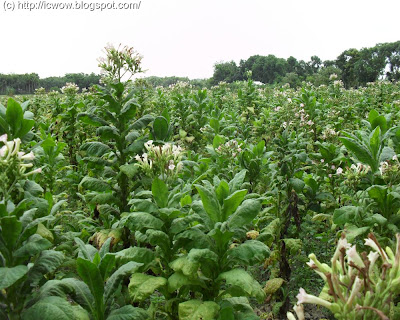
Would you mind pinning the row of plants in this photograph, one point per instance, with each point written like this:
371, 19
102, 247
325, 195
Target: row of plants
134, 202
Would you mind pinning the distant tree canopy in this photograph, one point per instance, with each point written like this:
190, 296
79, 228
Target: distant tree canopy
28, 83
354, 67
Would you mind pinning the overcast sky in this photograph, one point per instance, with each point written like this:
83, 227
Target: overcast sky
187, 37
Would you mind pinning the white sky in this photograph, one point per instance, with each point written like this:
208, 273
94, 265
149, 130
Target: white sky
187, 37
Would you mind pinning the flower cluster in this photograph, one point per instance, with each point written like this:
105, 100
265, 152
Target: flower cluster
10, 151
360, 286
355, 174
230, 148
329, 133
163, 161
70, 88
40, 91
13, 166
118, 63
390, 170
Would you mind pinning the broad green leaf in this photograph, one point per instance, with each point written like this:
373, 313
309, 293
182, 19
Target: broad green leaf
107, 133
48, 261
95, 148
249, 253
160, 192
34, 245
129, 110
52, 308
86, 251
344, 215
217, 141
44, 232
198, 310
129, 169
297, 184
26, 126
222, 191
91, 119
90, 274
185, 266
236, 308
141, 286
128, 313
14, 117
245, 213
232, 202
8, 276
11, 228
374, 141
241, 279
177, 280
160, 129
70, 288
117, 277
143, 220
94, 184
236, 183
141, 255
210, 203
107, 264
141, 123
359, 151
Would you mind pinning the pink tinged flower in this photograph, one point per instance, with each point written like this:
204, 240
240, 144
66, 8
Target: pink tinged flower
3, 138
322, 160
339, 171
171, 167
303, 297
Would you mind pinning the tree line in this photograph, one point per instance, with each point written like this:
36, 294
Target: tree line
28, 83
354, 67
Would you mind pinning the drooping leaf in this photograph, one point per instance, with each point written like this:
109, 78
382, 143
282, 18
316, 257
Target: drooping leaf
48, 261
51, 308
8, 276
117, 277
241, 279
141, 286
244, 214
249, 253
198, 310
128, 313
95, 148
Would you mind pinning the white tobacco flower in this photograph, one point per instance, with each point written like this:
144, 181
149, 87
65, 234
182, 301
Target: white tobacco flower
342, 244
394, 158
354, 257
138, 158
3, 138
339, 171
3, 151
354, 291
299, 309
29, 156
371, 243
372, 257
303, 297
